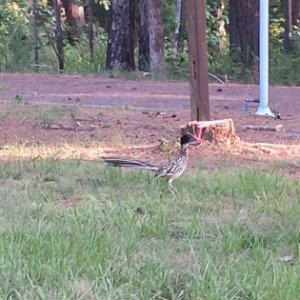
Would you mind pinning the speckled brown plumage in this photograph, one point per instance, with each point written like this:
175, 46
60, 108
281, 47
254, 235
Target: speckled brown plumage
170, 170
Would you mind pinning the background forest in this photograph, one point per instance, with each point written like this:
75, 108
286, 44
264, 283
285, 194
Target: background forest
141, 38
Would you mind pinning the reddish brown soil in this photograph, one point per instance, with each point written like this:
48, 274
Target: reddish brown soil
123, 112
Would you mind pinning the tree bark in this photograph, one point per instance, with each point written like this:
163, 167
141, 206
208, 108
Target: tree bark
288, 26
75, 20
91, 29
144, 51
156, 37
182, 32
58, 36
35, 34
120, 49
295, 12
174, 37
178, 16
244, 31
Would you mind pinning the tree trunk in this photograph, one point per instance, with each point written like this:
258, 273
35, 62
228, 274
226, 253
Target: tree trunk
182, 32
288, 27
178, 16
295, 12
156, 37
58, 36
75, 20
174, 37
144, 51
234, 27
120, 49
91, 29
35, 34
244, 31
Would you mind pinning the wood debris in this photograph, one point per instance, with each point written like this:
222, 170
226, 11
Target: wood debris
277, 128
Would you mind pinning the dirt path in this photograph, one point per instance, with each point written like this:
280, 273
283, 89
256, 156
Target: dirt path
158, 96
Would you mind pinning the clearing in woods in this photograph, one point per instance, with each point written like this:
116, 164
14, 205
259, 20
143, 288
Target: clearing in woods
88, 116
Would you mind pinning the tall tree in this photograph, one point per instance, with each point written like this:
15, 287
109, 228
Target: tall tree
296, 12
174, 39
151, 37
91, 33
58, 36
144, 51
182, 30
288, 26
156, 37
35, 33
244, 31
121, 38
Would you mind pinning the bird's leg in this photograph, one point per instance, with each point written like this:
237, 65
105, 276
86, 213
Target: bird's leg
170, 186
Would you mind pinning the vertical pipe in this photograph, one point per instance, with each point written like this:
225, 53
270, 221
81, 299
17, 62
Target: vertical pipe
263, 108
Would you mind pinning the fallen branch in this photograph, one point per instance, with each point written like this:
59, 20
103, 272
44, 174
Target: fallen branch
277, 128
90, 119
66, 127
217, 78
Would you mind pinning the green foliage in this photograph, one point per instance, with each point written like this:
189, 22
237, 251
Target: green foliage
216, 41
176, 63
16, 43
78, 59
169, 18
286, 73
14, 30
224, 65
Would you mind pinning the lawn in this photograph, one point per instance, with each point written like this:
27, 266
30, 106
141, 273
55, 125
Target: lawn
79, 230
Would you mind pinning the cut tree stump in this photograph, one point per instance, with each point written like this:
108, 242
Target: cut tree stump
219, 131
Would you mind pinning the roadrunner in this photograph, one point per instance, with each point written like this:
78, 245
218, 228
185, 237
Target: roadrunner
171, 169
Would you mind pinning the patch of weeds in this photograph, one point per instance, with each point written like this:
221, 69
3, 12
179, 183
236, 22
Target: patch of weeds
18, 99
14, 149
49, 116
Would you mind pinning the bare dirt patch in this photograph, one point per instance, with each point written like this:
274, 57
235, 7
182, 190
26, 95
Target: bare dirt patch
92, 112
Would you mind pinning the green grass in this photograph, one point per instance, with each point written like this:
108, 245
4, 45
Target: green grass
222, 236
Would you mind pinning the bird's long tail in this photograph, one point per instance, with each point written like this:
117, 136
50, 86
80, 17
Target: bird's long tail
129, 162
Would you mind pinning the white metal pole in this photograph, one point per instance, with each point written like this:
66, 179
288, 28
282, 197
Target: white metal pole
263, 108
